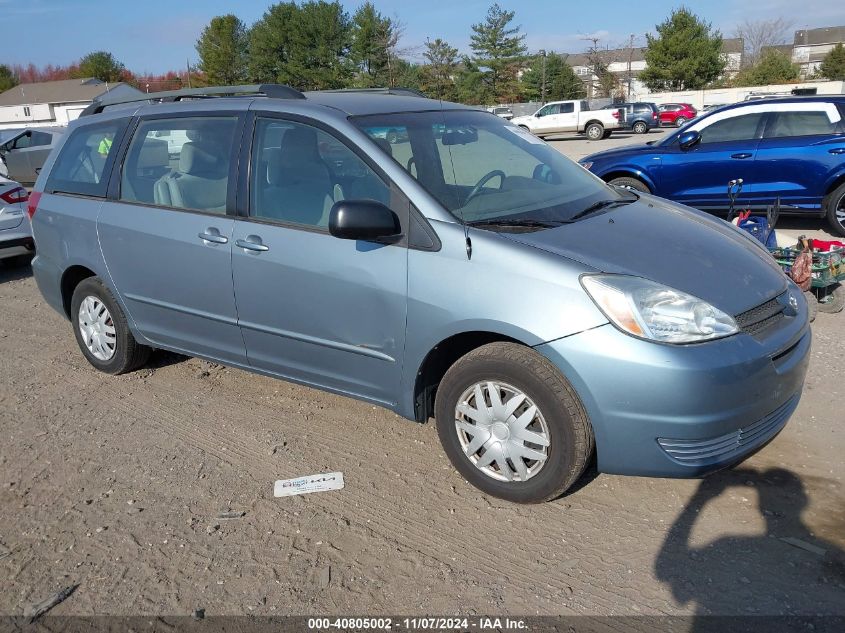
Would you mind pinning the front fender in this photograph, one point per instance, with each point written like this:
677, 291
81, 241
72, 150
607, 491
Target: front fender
615, 171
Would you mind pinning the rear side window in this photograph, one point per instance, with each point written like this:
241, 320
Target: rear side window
567, 108
807, 123
86, 159
182, 162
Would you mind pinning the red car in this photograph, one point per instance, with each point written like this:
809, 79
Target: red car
676, 113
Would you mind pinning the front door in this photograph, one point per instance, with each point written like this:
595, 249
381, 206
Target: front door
167, 238
698, 176
314, 308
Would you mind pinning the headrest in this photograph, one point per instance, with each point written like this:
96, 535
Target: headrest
385, 145
198, 161
299, 144
153, 154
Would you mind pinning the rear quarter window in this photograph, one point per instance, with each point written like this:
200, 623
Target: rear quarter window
85, 161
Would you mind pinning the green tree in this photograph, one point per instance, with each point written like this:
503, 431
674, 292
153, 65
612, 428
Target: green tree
438, 74
833, 65
222, 49
407, 75
773, 67
499, 49
686, 53
8, 79
561, 80
372, 35
319, 47
270, 42
100, 65
469, 83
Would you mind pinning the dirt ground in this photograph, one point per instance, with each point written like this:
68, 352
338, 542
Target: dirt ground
116, 484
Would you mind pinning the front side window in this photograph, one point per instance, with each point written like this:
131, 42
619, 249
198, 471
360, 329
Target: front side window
182, 163
552, 108
299, 171
81, 168
483, 169
806, 123
39, 139
738, 128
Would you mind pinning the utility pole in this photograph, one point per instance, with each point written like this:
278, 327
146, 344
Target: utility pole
630, 58
543, 89
188, 64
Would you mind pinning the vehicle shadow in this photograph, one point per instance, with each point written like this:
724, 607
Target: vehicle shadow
785, 571
14, 271
567, 136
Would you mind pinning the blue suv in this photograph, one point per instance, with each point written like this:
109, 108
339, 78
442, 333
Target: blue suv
792, 149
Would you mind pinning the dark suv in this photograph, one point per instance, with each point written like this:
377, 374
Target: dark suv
640, 117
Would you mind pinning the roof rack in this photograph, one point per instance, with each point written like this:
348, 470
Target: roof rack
275, 91
407, 92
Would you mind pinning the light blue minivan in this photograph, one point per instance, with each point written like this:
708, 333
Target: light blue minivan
466, 271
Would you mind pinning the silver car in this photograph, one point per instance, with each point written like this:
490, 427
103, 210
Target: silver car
16, 243
23, 153
472, 273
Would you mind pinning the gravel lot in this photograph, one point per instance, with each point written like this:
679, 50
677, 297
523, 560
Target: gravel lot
116, 483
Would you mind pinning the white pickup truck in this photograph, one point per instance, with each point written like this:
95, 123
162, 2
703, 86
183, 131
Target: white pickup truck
571, 116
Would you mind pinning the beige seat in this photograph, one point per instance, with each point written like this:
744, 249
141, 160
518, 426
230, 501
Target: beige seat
200, 182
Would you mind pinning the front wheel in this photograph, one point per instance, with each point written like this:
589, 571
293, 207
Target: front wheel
630, 183
680, 121
512, 425
834, 206
594, 131
101, 329
606, 134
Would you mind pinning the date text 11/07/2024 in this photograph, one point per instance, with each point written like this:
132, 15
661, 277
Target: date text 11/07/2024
418, 624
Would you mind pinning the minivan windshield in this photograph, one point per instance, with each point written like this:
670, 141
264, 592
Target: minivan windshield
486, 171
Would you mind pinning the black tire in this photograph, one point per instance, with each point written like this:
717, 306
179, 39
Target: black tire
812, 305
570, 434
392, 137
607, 134
639, 127
831, 299
833, 201
680, 121
128, 353
630, 182
594, 131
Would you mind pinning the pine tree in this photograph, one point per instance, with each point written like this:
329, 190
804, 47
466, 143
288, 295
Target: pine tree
438, 75
499, 49
686, 54
8, 79
222, 49
561, 80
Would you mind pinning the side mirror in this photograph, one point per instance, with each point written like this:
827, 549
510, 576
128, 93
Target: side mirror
688, 139
363, 220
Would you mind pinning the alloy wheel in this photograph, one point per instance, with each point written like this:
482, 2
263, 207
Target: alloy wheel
502, 432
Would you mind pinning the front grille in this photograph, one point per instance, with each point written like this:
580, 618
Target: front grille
760, 318
723, 447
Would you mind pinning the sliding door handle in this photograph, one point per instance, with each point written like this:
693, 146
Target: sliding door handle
252, 243
212, 235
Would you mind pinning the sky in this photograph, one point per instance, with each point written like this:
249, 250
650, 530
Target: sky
159, 35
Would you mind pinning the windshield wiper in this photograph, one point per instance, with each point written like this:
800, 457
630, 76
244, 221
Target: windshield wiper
540, 224
603, 204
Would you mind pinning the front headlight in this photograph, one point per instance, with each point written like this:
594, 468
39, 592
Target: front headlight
648, 310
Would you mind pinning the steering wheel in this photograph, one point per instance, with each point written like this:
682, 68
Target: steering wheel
484, 179
411, 163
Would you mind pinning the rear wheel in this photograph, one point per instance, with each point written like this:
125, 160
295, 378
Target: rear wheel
812, 305
511, 424
834, 206
101, 329
606, 134
630, 183
640, 127
594, 131
680, 121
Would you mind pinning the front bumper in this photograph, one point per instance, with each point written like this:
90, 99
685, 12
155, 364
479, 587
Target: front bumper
684, 411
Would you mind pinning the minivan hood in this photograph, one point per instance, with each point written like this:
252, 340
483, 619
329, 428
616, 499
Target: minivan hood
672, 245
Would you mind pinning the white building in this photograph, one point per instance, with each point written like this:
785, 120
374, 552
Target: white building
628, 63
811, 46
54, 102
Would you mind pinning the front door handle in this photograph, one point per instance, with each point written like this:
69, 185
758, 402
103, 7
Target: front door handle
741, 155
837, 150
212, 236
252, 243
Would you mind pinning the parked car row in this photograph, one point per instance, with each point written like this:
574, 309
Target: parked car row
560, 117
